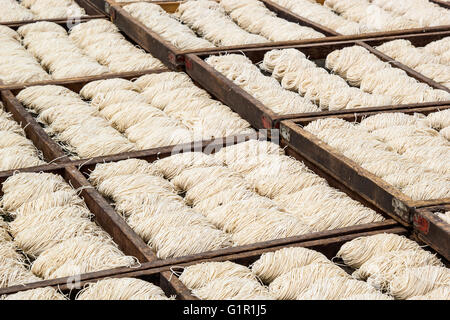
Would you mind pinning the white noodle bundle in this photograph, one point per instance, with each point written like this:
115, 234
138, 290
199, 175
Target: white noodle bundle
199, 275
445, 133
30, 94
13, 270
168, 27
316, 193
93, 88
424, 12
417, 58
372, 16
16, 157
4, 235
316, 84
254, 17
152, 91
148, 224
156, 213
244, 150
360, 67
39, 236
61, 56
352, 63
13, 11
15, 150
233, 288
101, 40
266, 89
322, 15
440, 293
23, 188
232, 194
439, 120
54, 9
51, 220
290, 285
60, 118
286, 60
18, 65
406, 53
273, 264
12, 275
100, 101
41, 26
122, 116
274, 226
47, 293
426, 190
369, 296
444, 216
84, 132
132, 184
222, 215
146, 205
104, 171
161, 100
8, 32
382, 269
176, 134
150, 80
181, 241
358, 251
9, 253
191, 177
21, 222
211, 186
336, 288
8, 124
193, 114
270, 183
419, 281
176, 164
400, 180
80, 255
403, 150
355, 213
121, 289
385, 120
48, 201
440, 48
268, 174
208, 19
14, 139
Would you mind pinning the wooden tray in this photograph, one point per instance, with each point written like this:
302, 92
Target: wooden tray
367, 185
432, 230
127, 240
85, 79
261, 116
399, 32
52, 152
91, 11
164, 277
152, 155
132, 244
174, 57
